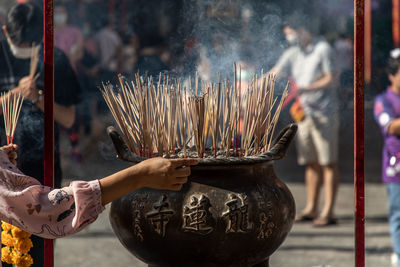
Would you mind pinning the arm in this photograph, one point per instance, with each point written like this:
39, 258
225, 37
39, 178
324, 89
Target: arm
52, 213
394, 127
282, 66
323, 82
385, 116
64, 115
158, 173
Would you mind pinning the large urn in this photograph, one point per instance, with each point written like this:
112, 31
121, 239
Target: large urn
232, 212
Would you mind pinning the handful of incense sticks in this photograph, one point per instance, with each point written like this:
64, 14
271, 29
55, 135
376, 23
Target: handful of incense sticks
164, 117
11, 104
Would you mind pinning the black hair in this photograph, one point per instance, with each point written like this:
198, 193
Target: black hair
24, 24
393, 65
299, 20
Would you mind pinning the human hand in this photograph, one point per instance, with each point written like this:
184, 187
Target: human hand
9, 150
161, 173
27, 88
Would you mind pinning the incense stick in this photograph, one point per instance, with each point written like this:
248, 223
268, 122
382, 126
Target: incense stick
11, 104
164, 116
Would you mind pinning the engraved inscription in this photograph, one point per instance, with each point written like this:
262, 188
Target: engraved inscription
196, 216
137, 230
137, 205
266, 225
237, 216
160, 215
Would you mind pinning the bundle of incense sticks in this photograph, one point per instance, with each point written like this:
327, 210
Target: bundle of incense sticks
34, 62
11, 104
164, 117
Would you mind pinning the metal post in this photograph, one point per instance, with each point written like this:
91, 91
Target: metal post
48, 114
359, 133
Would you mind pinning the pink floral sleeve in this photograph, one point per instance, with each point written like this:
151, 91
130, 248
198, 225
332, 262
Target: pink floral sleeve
44, 211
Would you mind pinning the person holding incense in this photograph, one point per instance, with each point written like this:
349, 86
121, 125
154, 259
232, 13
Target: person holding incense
54, 213
19, 74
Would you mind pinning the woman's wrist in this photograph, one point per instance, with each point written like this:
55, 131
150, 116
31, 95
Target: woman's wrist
119, 184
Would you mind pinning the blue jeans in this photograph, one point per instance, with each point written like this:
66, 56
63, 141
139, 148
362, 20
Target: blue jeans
393, 190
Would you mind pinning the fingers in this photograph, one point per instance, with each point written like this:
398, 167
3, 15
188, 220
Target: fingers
183, 162
12, 156
182, 172
176, 187
9, 148
181, 180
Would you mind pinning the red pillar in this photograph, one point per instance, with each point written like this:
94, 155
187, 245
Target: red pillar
396, 22
48, 114
368, 40
359, 194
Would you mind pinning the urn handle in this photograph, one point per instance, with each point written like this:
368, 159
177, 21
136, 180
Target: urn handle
282, 142
123, 151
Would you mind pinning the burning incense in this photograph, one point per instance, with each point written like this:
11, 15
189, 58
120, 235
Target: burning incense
169, 118
11, 104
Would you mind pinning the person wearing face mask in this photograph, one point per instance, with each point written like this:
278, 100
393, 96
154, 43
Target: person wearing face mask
290, 35
68, 38
24, 30
309, 63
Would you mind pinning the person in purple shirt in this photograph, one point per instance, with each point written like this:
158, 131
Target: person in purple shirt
387, 115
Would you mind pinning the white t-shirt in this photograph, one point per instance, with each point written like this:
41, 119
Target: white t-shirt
307, 66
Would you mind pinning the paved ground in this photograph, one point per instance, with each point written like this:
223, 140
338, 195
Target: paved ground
305, 246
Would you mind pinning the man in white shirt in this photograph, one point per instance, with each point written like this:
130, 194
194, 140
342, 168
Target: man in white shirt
310, 65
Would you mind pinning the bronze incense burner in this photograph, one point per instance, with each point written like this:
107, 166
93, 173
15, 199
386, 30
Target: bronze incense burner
232, 212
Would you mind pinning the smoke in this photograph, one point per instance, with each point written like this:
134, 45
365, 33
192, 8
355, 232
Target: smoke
228, 32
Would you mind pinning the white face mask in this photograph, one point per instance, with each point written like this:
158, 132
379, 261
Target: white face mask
21, 52
60, 19
291, 38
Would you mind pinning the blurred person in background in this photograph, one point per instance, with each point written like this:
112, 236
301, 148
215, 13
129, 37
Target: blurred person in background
69, 39
128, 55
343, 48
88, 76
309, 63
24, 29
387, 115
150, 61
109, 43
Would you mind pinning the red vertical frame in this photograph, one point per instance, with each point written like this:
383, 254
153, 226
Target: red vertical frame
368, 40
396, 22
48, 113
359, 193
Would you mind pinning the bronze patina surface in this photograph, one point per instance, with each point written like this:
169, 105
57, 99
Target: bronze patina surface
228, 214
